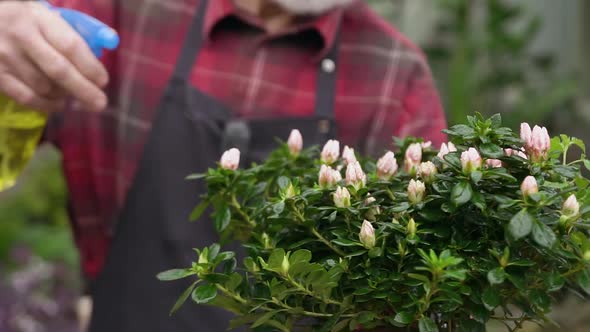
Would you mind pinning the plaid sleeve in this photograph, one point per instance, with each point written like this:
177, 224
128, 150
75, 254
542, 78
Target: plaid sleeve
423, 114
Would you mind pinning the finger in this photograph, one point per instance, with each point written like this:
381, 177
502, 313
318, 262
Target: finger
31, 75
68, 42
24, 95
63, 73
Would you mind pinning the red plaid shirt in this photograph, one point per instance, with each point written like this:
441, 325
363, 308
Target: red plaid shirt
384, 88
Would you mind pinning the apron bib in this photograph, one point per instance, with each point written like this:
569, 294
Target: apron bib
189, 133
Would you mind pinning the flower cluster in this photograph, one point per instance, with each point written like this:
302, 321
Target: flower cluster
416, 238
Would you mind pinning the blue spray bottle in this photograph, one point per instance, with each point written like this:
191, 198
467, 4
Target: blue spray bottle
21, 127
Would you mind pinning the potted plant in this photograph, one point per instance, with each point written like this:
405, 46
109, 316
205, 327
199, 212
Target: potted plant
486, 228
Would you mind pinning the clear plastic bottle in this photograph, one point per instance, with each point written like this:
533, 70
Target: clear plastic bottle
21, 127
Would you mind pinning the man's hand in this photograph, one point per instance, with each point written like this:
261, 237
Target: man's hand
43, 60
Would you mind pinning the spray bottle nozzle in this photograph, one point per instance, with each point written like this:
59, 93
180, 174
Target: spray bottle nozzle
97, 35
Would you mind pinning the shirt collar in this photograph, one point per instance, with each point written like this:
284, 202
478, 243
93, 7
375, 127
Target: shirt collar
326, 25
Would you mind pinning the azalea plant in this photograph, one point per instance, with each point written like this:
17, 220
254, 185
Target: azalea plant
489, 227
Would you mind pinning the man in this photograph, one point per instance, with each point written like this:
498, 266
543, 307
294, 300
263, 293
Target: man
190, 78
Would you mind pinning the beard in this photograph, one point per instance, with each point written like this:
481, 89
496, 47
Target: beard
311, 7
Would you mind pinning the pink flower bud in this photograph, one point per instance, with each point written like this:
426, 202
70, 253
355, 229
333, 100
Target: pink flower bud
571, 207
413, 158
536, 141
526, 135
445, 149
386, 166
512, 152
230, 159
427, 171
471, 160
328, 176
348, 155
426, 145
355, 175
493, 163
295, 142
540, 143
331, 152
341, 197
374, 210
367, 235
529, 186
416, 191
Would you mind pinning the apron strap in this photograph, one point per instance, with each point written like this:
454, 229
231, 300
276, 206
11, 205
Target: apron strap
192, 44
326, 81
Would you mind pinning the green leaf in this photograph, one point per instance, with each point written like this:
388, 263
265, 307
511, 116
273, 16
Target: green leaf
182, 298
461, 193
496, 120
174, 274
347, 243
204, 294
283, 182
356, 253
419, 277
462, 130
587, 164
455, 274
491, 298
543, 235
579, 143
478, 200
234, 281
375, 252
476, 176
404, 318
554, 281
521, 224
491, 150
196, 176
341, 325
496, 276
213, 251
400, 207
584, 281
540, 299
267, 316
226, 255
362, 291
332, 216
275, 260
222, 219
427, 325
300, 256
198, 210
279, 207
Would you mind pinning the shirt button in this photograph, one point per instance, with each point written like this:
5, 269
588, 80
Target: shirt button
328, 65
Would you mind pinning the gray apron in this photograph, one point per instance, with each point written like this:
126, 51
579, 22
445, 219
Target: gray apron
189, 133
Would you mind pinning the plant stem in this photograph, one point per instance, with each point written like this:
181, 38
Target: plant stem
326, 242
238, 207
306, 313
233, 295
308, 292
301, 219
570, 272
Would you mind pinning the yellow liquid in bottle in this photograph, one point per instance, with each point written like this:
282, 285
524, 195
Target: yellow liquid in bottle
20, 131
